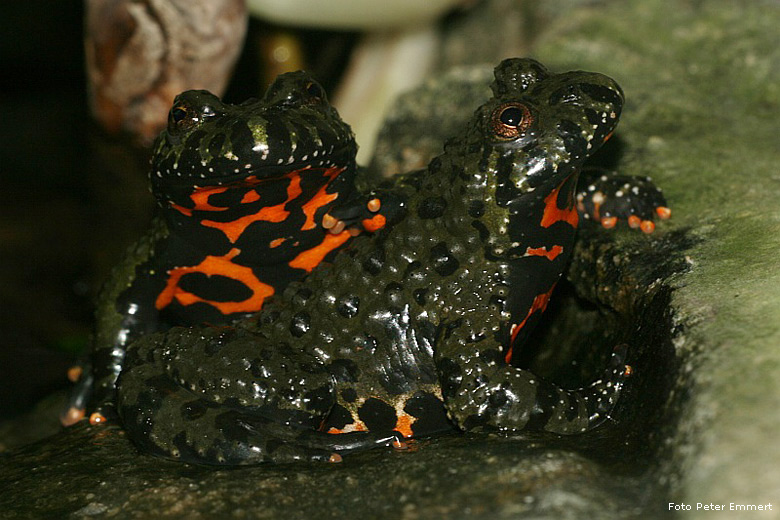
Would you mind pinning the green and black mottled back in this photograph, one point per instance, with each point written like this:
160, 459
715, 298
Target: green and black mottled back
410, 330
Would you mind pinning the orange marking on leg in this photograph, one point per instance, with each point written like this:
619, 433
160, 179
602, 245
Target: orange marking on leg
311, 258
404, 424
663, 212
320, 199
552, 213
542, 251
277, 242
539, 304
216, 265
374, 223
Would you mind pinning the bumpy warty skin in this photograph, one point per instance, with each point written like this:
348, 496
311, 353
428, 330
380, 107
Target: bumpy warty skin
409, 330
242, 192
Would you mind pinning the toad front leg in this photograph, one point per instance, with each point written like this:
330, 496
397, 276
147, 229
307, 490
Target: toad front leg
481, 390
607, 198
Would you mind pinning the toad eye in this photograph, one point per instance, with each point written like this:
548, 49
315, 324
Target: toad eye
183, 116
315, 91
511, 116
178, 114
180, 118
510, 120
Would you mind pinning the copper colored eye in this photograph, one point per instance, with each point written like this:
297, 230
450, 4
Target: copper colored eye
315, 91
179, 118
510, 120
178, 114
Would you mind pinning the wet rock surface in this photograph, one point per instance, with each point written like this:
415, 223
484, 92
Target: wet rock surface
697, 302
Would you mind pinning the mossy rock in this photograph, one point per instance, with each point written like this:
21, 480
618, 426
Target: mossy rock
697, 302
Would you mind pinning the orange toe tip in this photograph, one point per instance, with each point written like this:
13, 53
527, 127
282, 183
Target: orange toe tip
338, 227
608, 222
628, 370
74, 373
647, 226
634, 222
335, 458
328, 221
398, 444
72, 416
663, 212
97, 418
374, 205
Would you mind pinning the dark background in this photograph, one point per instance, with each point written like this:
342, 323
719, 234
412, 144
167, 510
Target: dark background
45, 280
73, 198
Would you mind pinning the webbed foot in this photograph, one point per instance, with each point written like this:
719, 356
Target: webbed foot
370, 212
76, 404
601, 396
88, 399
609, 198
357, 215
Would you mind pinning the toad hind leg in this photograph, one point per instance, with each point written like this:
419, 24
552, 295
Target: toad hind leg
171, 407
481, 391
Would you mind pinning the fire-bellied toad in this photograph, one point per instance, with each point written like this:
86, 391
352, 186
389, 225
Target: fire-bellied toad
244, 193
409, 330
